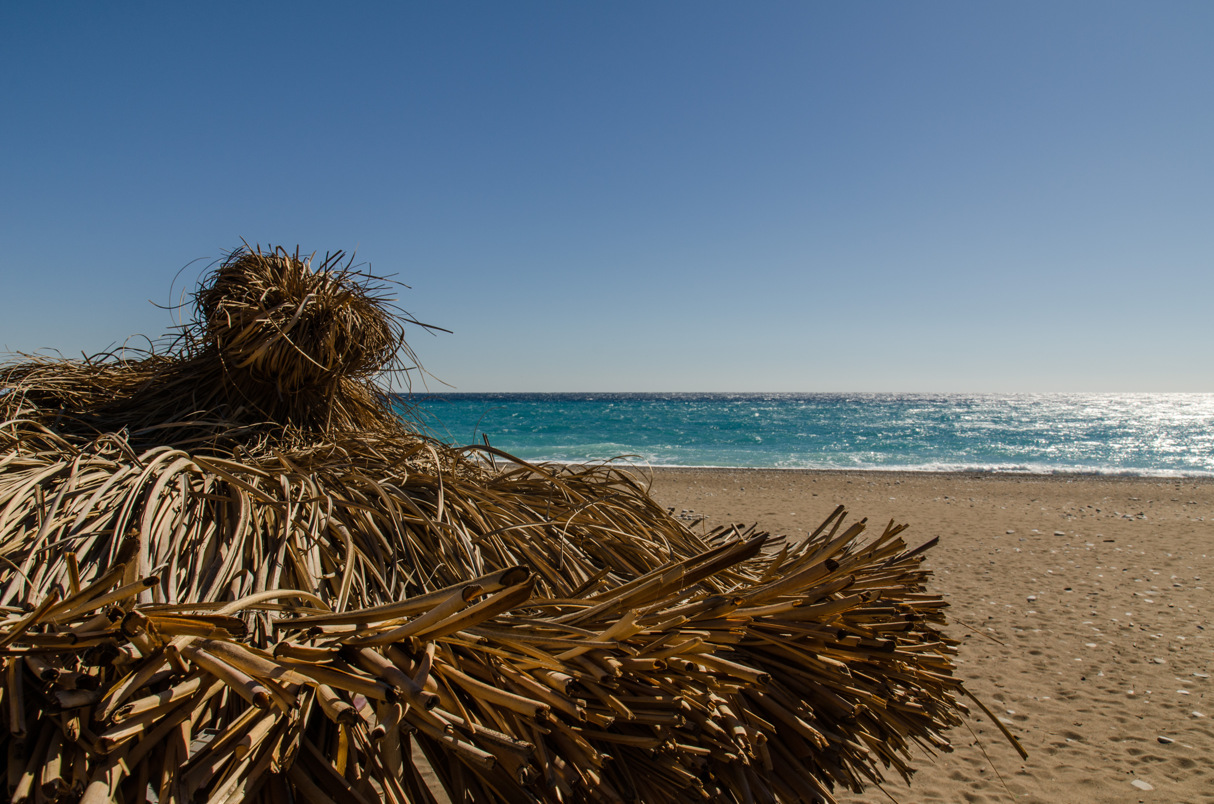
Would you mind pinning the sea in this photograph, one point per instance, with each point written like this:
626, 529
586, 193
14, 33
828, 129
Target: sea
1164, 435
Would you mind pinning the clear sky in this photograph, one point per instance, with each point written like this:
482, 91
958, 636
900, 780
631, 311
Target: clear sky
640, 196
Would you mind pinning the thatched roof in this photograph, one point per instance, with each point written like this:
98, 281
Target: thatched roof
233, 571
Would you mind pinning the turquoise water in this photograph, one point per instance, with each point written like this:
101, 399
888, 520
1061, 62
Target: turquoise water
1137, 434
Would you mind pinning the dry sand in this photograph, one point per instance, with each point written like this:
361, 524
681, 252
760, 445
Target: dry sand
1083, 609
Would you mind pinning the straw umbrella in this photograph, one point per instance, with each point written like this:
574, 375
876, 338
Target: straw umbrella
233, 571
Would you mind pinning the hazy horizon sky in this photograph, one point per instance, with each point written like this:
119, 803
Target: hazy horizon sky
636, 196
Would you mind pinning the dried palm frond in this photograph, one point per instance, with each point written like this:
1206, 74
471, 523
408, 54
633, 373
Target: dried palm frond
287, 591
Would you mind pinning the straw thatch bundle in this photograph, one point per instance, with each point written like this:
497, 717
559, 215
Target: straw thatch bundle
277, 349
231, 572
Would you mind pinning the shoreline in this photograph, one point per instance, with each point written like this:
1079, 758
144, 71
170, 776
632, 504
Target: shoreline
1062, 473
977, 472
1080, 602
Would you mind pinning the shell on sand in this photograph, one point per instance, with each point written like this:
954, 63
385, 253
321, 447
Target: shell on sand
232, 571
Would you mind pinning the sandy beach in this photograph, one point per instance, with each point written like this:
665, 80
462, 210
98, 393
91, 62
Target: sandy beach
1082, 605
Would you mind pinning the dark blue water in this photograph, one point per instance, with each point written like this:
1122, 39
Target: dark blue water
1140, 434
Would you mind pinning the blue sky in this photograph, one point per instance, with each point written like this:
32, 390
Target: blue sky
640, 196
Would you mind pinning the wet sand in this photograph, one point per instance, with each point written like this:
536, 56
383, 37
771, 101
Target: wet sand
1083, 605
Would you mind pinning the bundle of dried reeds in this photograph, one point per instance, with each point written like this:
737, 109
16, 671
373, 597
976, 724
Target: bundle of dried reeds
240, 576
276, 348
